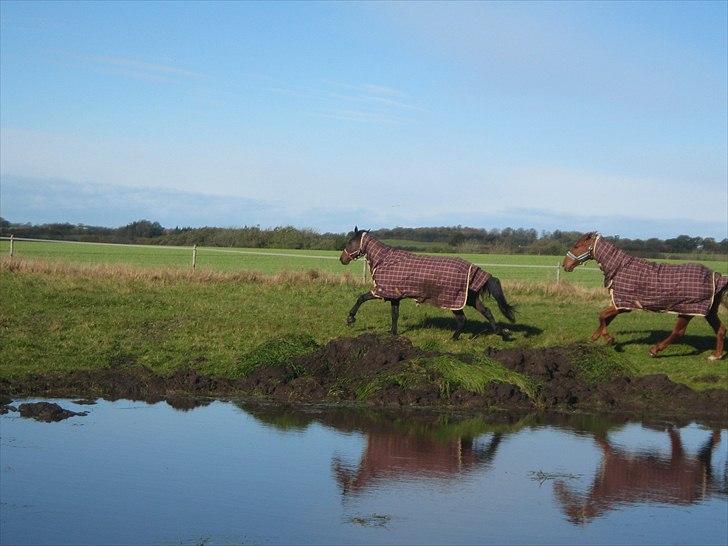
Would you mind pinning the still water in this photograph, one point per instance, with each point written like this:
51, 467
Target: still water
232, 473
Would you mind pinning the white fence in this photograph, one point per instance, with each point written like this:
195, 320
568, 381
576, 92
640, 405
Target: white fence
556, 268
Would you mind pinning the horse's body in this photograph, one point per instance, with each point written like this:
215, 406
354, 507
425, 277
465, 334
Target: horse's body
449, 283
687, 290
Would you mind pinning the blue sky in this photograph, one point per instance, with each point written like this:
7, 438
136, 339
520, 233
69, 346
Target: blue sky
605, 116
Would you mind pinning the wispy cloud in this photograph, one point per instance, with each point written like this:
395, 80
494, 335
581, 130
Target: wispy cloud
370, 103
357, 115
145, 67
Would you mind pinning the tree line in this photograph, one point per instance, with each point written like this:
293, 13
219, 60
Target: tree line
432, 239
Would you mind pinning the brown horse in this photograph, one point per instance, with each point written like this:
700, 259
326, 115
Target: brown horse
449, 283
634, 478
687, 290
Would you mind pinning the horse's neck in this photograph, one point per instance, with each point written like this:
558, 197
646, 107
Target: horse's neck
609, 257
375, 250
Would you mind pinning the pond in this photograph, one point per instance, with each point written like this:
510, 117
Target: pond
228, 472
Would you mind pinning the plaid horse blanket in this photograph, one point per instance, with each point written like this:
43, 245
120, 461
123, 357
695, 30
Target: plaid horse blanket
398, 274
635, 283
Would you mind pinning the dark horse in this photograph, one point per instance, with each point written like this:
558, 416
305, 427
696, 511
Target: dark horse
687, 290
450, 283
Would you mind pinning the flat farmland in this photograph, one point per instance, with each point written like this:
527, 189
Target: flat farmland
515, 267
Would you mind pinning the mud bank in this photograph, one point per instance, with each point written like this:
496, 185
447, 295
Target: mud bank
388, 371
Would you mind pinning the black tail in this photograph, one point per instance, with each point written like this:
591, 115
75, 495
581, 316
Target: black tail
494, 288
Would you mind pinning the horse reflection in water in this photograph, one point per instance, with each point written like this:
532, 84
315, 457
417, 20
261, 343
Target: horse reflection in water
390, 456
625, 479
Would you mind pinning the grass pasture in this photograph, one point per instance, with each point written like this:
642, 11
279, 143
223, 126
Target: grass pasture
525, 268
58, 318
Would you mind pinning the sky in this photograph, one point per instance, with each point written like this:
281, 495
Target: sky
586, 116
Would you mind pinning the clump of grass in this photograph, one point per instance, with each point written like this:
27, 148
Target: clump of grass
473, 376
599, 364
276, 351
449, 373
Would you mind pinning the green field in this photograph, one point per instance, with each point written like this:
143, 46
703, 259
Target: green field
517, 267
63, 320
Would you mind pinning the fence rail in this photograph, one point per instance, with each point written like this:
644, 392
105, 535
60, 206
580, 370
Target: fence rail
195, 250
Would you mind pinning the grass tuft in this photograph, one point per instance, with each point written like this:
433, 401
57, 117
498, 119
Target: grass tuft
282, 350
600, 364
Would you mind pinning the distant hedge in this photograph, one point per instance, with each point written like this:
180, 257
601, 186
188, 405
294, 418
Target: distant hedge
431, 239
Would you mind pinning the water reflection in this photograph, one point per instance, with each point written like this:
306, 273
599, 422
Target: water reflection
627, 477
418, 447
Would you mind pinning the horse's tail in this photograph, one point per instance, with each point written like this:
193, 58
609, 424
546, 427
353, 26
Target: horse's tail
494, 288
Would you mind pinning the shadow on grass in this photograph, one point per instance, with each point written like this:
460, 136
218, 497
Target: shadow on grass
695, 344
472, 327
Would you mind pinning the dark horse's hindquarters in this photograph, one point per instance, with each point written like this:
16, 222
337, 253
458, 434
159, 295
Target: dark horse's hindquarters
449, 283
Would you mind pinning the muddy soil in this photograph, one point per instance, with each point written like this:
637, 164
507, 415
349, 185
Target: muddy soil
335, 373
47, 412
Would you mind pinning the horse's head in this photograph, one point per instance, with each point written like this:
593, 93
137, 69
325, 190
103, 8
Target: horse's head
581, 251
353, 249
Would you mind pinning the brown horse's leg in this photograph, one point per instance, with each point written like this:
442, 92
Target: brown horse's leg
460, 317
719, 329
605, 317
483, 310
677, 332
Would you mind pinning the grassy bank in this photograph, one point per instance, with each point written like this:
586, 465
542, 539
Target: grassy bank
57, 318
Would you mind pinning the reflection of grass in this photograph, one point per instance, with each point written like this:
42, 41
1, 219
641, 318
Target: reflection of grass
65, 319
542, 476
373, 520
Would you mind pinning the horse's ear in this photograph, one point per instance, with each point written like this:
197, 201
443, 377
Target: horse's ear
356, 230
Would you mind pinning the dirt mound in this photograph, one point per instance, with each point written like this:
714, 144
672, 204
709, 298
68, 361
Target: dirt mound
47, 412
564, 375
385, 370
337, 369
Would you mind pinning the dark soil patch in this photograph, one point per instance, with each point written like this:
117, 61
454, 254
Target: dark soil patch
563, 385
47, 412
384, 371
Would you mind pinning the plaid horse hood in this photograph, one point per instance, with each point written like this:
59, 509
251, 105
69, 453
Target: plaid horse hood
634, 283
398, 274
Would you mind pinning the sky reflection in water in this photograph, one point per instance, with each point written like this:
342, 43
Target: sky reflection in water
229, 473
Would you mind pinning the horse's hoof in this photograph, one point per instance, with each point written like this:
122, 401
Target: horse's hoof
653, 354
505, 334
350, 320
713, 358
610, 341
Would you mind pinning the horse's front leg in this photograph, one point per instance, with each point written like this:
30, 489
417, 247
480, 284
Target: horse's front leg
366, 296
395, 315
460, 318
677, 332
719, 329
606, 316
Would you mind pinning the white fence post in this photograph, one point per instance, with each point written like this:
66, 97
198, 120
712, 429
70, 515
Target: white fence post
558, 273
194, 256
12, 248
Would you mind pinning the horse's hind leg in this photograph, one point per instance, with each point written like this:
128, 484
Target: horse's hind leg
483, 310
460, 318
719, 329
366, 296
677, 332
